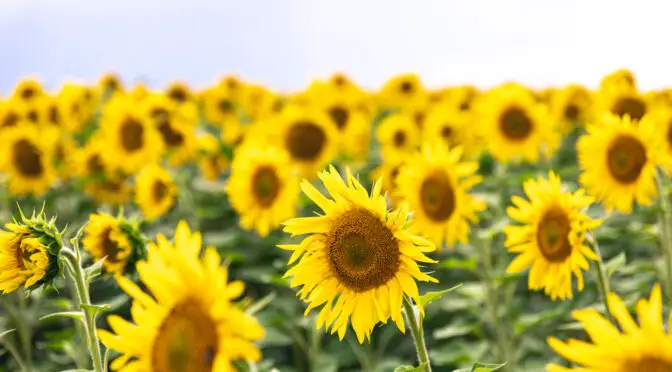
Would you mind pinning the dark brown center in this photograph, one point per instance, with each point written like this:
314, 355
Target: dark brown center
553, 235
515, 124
572, 112
406, 87
27, 159
632, 106
131, 135
265, 185
437, 197
226, 106
647, 364
110, 247
159, 191
94, 164
363, 253
339, 115
305, 140
10, 120
399, 138
625, 158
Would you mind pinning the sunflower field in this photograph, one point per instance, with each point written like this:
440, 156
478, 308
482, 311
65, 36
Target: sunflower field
236, 228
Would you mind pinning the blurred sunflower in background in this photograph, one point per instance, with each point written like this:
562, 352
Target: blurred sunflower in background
132, 139
263, 188
179, 92
155, 192
358, 261
402, 91
28, 90
104, 238
398, 136
618, 159
76, 109
12, 113
175, 127
388, 172
99, 179
110, 83
570, 106
450, 128
353, 125
514, 125
621, 100
622, 78
187, 320
308, 136
26, 159
623, 347
434, 183
220, 108
551, 239
212, 161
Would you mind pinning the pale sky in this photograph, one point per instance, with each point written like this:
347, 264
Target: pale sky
284, 44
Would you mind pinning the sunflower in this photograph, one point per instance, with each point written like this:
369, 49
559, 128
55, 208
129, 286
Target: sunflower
176, 127
257, 102
12, 113
514, 125
75, 108
27, 159
263, 188
155, 191
570, 106
552, 239
29, 251
212, 160
623, 78
625, 347
111, 83
104, 238
621, 100
435, 184
220, 105
398, 136
309, 137
460, 98
388, 172
618, 159
113, 190
179, 92
359, 260
188, 321
130, 135
450, 128
353, 125
52, 113
401, 91
28, 90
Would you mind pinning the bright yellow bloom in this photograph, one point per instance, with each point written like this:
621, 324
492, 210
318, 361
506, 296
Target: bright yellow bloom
263, 188
188, 321
619, 159
27, 159
359, 260
104, 237
570, 106
620, 100
435, 184
622, 347
28, 90
402, 91
155, 192
451, 128
398, 136
552, 238
212, 160
23, 258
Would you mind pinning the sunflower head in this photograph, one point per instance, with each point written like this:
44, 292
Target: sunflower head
27, 159
401, 91
398, 136
514, 125
118, 240
552, 237
450, 128
189, 318
622, 347
29, 251
28, 90
111, 83
263, 188
622, 78
435, 183
621, 101
570, 106
358, 260
155, 191
619, 159
179, 92
12, 113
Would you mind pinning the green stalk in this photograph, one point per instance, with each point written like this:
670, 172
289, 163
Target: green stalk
601, 273
23, 329
17, 356
415, 325
665, 234
76, 272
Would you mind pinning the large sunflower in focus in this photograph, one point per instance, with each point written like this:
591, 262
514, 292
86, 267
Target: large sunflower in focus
155, 192
263, 188
398, 136
131, 137
309, 137
26, 159
514, 125
623, 347
358, 261
435, 184
188, 321
552, 237
618, 159
570, 106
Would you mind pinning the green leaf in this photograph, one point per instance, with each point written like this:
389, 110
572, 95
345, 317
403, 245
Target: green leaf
94, 270
5, 333
77, 315
259, 305
429, 297
106, 359
408, 368
486, 367
615, 264
468, 264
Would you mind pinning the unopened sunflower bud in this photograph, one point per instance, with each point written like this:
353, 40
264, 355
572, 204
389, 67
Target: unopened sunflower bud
29, 253
117, 239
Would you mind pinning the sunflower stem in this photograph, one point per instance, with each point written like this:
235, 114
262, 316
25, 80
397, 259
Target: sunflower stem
23, 329
602, 278
74, 265
665, 236
415, 325
17, 355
